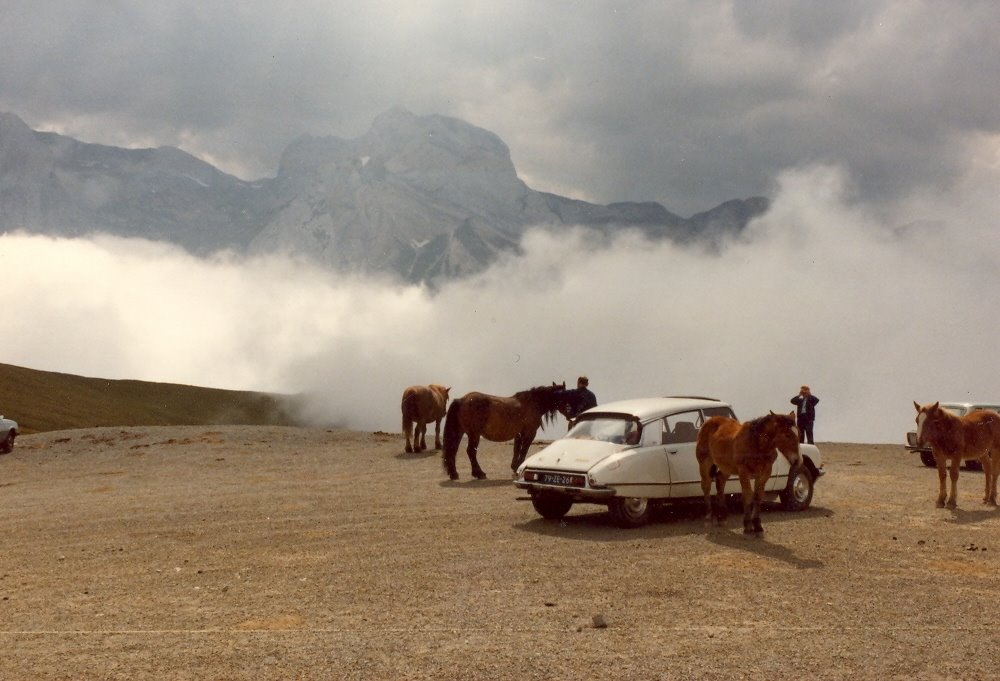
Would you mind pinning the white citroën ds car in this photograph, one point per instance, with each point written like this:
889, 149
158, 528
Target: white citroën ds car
632, 454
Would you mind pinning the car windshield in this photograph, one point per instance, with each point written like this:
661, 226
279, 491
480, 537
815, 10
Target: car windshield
616, 429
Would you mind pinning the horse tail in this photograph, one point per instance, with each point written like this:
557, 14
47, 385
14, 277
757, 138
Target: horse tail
405, 408
409, 409
452, 435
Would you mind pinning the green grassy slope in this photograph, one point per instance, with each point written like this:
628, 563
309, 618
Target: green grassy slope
43, 400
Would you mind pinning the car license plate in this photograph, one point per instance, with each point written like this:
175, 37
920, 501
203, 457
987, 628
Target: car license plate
564, 480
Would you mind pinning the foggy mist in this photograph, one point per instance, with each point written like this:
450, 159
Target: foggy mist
872, 311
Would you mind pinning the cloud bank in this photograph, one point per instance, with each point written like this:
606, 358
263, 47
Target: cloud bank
872, 311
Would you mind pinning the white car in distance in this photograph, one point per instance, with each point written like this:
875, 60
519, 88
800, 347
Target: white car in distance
8, 431
634, 454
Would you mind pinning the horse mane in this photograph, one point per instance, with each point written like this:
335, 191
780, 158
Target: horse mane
544, 397
532, 393
756, 430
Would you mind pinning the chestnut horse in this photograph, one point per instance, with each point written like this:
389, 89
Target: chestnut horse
422, 404
955, 438
727, 447
499, 419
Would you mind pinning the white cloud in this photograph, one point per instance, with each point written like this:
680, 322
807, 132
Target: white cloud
821, 291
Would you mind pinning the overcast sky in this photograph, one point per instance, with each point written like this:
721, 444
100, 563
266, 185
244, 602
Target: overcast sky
874, 127
685, 103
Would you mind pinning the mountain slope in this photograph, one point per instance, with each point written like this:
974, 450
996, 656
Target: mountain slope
44, 400
51, 184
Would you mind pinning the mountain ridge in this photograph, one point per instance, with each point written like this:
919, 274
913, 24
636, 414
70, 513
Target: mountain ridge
420, 198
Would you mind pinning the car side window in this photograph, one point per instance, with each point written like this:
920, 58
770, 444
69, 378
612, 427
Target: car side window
719, 411
652, 433
681, 427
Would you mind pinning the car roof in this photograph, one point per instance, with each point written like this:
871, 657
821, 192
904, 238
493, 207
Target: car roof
648, 408
970, 405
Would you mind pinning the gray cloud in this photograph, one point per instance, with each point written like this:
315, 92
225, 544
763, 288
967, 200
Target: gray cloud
689, 104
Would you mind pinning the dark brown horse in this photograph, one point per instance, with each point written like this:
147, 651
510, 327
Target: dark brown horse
727, 447
422, 404
953, 439
499, 419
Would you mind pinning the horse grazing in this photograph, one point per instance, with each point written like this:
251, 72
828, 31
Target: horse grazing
499, 419
422, 404
726, 447
955, 438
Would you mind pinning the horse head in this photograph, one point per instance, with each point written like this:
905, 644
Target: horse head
785, 434
929, 419
565, 400
551, 399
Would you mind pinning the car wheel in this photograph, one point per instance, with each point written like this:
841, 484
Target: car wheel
7, 445
629, 511
798, 493
551, 506
928, 459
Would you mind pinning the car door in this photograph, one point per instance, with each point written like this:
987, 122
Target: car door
680, 434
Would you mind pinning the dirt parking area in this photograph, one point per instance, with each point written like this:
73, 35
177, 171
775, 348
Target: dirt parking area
283, 553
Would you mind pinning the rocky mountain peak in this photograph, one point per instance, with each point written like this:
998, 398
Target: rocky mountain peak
423, 197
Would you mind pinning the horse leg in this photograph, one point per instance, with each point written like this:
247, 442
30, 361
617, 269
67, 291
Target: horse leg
517, 457
472, 450
956, 461
522, 443
721, 513
420, 439
994, 471
748, 502
991, 490
942, 474
758, 501
437, 436
705, 468
407, 430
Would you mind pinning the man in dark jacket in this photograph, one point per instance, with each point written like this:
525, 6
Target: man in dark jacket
805, 411
582, 398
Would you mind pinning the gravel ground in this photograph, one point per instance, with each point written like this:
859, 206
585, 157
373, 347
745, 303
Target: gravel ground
283, 553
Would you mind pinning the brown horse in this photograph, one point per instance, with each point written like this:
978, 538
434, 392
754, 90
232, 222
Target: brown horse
956, 438
726, 447
499, 419
422, 404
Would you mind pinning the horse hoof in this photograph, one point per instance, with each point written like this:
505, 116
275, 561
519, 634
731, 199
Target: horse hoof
479, 475
939, 504
952, 504
453, 476
409, 449
748, 530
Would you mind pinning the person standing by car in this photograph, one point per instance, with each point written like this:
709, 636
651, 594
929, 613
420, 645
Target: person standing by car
582, 399
805, 412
